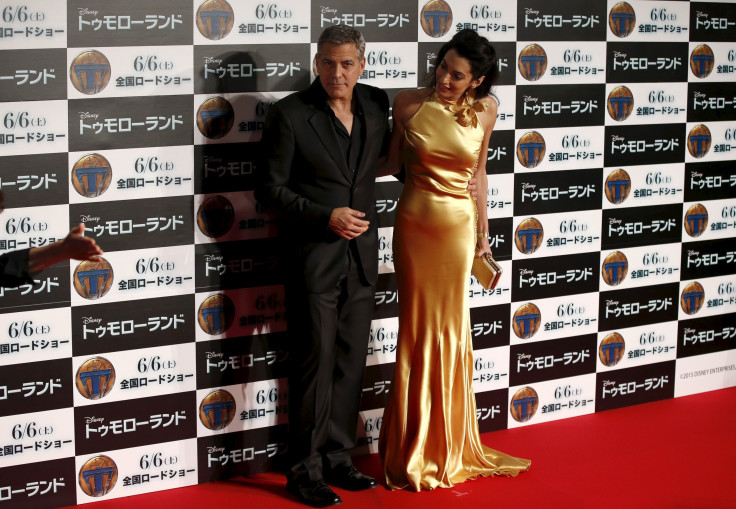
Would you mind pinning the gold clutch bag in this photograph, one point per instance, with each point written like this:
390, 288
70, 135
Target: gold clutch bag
486, 271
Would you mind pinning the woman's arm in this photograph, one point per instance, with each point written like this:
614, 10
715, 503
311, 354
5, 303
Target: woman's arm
488, 119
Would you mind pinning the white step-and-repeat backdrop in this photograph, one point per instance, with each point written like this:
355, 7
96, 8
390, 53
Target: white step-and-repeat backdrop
612, 205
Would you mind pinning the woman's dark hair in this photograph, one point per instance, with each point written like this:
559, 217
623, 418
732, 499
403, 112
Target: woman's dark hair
477, 50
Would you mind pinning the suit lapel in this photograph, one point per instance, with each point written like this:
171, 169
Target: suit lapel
325, 131
371, 125
321, 122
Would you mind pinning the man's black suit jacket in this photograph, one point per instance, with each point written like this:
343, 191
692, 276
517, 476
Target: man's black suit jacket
304, 176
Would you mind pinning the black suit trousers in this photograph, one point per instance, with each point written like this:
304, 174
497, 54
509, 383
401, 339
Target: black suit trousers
328, 334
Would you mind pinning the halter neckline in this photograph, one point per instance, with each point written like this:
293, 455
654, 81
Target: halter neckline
464, 98
466, 108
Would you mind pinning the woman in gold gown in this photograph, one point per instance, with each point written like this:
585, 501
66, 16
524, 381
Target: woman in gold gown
429, 434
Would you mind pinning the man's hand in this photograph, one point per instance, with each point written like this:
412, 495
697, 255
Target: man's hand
77, 247
74, 246
473, 188
346, 222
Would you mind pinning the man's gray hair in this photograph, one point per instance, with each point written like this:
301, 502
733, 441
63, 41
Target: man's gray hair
342, 34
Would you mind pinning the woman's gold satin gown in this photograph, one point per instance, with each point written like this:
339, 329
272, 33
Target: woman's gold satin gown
429, 434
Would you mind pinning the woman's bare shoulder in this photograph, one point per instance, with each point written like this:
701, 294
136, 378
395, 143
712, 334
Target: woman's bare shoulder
488, 117
491, 104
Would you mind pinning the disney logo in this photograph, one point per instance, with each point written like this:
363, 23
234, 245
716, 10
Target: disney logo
530, 99
611, 303
327, 9
213, 449
619, 54
211, 355
84, 10
522, 356
89, 219
616, 137
85, 114
88, 319
527, 185
212, 258
212, 60
608, 383
90, 420
523, 272
529, 10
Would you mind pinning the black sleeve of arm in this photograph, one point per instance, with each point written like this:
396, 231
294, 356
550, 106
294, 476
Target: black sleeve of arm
273, 188
14, 268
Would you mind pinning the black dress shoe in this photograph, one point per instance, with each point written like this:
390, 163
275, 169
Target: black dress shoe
348, 478
314, 493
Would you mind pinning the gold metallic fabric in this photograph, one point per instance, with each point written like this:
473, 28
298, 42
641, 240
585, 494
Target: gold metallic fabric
429, 434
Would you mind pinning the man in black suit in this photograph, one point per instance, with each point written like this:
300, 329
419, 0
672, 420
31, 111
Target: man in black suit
321, 156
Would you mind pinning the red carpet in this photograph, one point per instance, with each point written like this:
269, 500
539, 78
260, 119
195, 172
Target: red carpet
673, 454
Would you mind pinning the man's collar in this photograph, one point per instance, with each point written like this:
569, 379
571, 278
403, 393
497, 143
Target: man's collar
321, 97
